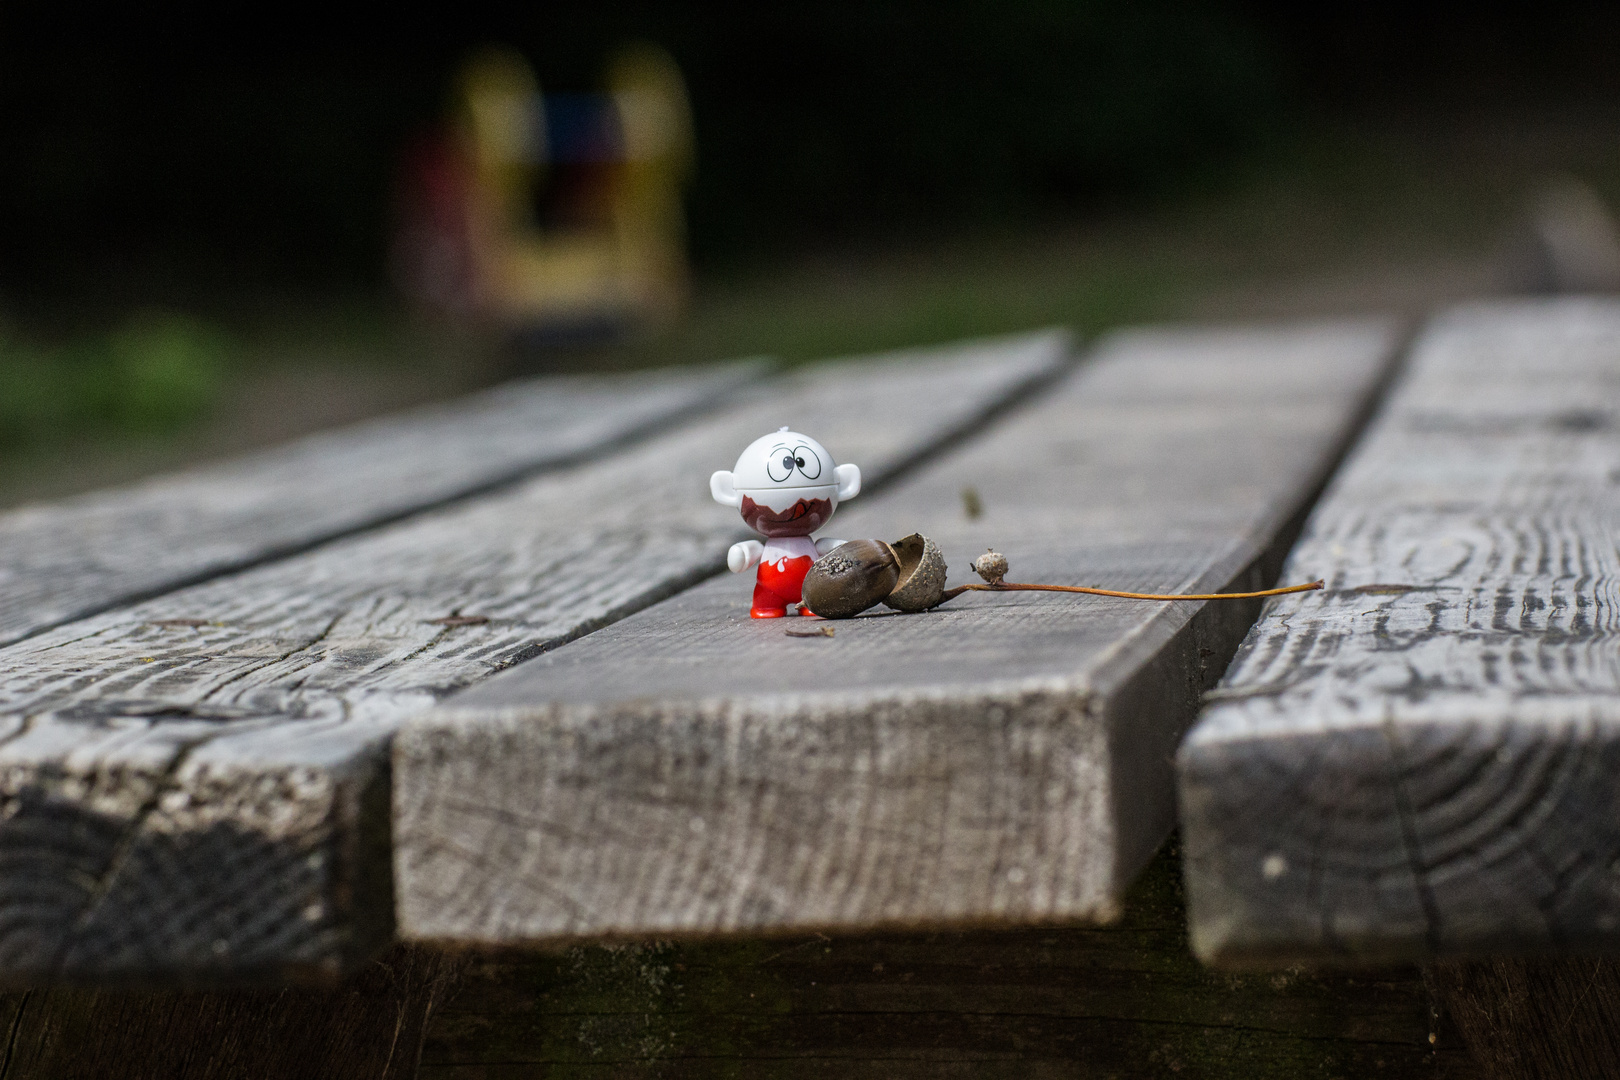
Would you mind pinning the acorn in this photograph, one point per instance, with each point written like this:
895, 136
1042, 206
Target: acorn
922, 574
850, 578
907, 575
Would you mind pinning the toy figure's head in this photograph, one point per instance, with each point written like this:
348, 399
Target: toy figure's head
786, 485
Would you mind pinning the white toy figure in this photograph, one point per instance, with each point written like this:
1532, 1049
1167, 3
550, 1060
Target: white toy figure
787, 487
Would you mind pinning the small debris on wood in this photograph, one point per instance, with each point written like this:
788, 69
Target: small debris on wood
460, 620
182, 622
820, 631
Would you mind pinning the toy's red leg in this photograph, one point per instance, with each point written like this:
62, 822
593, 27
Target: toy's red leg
780, 584
767, 604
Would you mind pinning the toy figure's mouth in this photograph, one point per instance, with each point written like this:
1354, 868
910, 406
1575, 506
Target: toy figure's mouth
801, 519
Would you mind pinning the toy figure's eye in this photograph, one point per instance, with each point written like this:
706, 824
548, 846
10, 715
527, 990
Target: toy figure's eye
779, 469
808, 461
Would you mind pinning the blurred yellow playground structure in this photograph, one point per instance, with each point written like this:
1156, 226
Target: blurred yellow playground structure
551, 216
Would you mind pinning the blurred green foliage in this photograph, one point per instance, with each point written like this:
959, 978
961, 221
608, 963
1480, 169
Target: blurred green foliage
151, 375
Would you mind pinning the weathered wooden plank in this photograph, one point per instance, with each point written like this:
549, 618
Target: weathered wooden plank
66, 560
1423, 759
1125, 1000
1003, 760
196, 786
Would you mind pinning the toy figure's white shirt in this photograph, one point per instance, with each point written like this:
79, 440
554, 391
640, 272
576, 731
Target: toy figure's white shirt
781, 548
750, 553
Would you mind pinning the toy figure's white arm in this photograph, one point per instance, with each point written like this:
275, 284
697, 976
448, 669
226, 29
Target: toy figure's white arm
826, 544
745, 555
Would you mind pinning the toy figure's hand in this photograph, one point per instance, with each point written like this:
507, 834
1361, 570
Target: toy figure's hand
745, 555
826, 544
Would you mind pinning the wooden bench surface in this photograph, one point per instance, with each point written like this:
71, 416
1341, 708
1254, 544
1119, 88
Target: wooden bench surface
1002, 761
1425, 758
66, 560
195, 785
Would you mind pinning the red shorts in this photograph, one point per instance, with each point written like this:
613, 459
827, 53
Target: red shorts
779, 584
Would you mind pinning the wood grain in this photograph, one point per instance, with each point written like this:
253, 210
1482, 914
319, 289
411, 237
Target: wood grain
1423, 759
195, 787
66, 560
1002, 760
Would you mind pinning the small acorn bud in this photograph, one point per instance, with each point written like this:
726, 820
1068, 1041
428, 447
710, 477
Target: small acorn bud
850, 578
992, 566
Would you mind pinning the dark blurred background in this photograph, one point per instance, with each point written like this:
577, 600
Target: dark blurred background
868, 174
170, 145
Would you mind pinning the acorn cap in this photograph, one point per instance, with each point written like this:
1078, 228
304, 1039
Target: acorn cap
922, 574
850, 578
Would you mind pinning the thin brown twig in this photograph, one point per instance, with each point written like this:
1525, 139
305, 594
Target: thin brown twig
1009, 586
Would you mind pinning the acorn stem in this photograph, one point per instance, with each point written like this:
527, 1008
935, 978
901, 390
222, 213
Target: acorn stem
1009, 586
